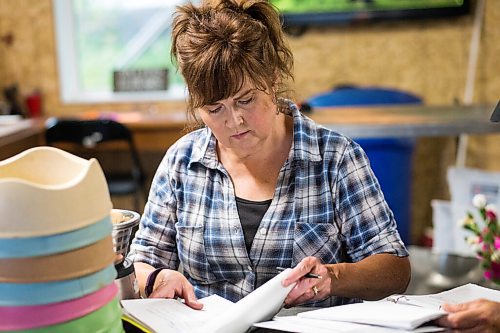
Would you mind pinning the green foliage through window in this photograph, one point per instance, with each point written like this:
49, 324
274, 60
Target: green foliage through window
121, 34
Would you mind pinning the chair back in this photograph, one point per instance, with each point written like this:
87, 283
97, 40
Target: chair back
88, 133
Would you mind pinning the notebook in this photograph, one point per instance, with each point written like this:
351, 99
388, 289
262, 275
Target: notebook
217, 316
397, 312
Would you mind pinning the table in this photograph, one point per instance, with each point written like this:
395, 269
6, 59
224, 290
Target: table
408, 121
158, 130
18, 136
428, 272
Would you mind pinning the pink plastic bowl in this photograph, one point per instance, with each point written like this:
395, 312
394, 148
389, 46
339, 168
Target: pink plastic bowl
34, 316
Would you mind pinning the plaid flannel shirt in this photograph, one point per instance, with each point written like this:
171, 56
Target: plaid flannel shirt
327, 204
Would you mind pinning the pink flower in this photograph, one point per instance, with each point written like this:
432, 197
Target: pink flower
486, 238
491, 208
492, 274
495, 268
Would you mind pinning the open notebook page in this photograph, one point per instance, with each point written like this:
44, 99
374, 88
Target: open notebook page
466, 293
170, 315
218, 314
381, 313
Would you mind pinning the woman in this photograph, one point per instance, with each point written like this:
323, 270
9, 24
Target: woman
260, 185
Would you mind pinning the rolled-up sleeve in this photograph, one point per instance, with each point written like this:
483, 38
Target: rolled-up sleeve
155, 241
368, 225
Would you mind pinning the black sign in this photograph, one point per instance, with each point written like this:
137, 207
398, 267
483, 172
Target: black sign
140, 80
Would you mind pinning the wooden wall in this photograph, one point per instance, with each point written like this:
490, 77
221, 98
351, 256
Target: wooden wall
426, 57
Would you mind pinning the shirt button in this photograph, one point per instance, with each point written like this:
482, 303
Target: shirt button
263, 231
236, 230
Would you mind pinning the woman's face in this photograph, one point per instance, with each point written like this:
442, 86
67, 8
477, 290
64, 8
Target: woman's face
242, 123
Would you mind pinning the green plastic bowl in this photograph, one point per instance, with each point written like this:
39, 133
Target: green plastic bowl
105, 320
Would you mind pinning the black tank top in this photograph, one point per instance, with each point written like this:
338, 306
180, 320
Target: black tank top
251, 213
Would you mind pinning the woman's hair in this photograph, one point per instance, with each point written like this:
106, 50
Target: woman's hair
222, 44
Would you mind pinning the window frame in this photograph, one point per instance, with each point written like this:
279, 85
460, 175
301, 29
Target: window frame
66, 54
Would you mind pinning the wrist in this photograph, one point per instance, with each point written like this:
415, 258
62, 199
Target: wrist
335, 273
150, 282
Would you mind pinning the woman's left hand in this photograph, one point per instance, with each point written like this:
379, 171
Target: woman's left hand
307, 289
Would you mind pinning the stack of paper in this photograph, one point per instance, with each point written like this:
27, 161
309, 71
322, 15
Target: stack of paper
395, 314
398, 313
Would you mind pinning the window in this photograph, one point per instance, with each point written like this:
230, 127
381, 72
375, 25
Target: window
97, 37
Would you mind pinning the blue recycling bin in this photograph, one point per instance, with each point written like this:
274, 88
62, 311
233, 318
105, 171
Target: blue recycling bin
390, 157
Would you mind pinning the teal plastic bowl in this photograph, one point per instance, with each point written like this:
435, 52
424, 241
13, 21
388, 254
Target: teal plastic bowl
19, 247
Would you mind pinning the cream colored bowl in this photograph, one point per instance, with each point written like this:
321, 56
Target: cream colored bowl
45, 191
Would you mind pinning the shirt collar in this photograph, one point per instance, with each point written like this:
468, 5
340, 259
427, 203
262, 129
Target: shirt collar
305, 136
206, 154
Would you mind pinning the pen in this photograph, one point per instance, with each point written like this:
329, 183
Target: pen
308, 275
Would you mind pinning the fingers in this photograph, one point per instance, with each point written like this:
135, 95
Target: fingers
298, 296
190, 298
455, 307
307, 265
173, 284
461, 316
307, 289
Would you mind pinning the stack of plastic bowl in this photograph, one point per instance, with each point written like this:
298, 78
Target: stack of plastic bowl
56, 251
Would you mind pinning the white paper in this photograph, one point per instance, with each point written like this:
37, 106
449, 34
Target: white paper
303, 325
382, 313
466, 293
218, 314
262, 304
170, 315
402, 311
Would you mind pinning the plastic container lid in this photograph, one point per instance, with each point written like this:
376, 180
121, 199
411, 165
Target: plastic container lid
33, 316
60, 266
17, 294
105, 320
45, 191
45, 245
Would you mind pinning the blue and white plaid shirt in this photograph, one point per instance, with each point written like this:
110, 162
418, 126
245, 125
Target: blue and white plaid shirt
327, 204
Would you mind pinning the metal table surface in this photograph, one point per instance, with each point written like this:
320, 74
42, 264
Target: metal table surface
407, 121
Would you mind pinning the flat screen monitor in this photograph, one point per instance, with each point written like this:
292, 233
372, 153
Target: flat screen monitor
342, 12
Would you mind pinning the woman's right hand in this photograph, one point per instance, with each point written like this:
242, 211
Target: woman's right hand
171, 284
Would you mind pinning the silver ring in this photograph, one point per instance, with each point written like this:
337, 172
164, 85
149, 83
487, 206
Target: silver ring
315, 290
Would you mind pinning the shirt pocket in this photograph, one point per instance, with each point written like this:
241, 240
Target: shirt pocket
191, 250
320, 240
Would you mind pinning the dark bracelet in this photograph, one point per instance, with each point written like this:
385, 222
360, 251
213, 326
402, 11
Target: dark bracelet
148, 289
